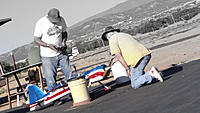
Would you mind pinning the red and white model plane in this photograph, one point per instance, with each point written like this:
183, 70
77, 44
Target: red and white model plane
38, 99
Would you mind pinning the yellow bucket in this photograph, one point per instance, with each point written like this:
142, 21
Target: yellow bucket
79, 91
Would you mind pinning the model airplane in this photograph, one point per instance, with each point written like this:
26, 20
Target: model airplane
39, 99
97, 74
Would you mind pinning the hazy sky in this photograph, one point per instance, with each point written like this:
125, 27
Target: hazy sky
25, 13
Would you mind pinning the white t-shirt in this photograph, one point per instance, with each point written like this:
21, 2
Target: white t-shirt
51, 34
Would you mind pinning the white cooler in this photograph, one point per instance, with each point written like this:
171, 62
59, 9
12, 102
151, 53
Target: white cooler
119, 73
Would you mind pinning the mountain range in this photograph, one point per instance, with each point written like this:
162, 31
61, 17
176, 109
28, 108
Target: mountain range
123, 15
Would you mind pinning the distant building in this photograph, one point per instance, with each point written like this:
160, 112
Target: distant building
69, 43
21, 61
75, 51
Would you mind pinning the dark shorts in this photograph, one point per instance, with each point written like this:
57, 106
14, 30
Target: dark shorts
122, 80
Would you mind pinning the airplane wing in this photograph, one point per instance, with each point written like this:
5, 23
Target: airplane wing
3, 21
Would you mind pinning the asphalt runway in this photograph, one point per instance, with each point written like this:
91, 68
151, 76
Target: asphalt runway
180, 93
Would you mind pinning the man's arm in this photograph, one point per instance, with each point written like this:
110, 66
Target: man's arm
41, 43
64, 38
64, 32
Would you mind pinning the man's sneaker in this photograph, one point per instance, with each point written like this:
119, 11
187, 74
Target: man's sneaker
155, 74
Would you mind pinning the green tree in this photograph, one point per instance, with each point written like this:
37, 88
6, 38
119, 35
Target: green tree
6, 67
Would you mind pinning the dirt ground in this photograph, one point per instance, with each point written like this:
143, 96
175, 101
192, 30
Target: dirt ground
176, 44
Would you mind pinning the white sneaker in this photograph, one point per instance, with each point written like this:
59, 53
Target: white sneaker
155, 74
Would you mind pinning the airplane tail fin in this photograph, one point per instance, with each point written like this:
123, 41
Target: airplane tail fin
35, 93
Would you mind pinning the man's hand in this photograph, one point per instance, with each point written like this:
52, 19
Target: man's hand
41, 43
61, 49
51, 46
128, 72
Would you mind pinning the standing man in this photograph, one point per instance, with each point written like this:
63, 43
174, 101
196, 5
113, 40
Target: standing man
50, 33
132, 55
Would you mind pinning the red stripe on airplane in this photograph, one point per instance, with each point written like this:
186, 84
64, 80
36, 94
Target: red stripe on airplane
53, 96
96, 74
57, 94
33, 105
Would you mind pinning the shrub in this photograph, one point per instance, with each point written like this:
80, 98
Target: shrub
2, 90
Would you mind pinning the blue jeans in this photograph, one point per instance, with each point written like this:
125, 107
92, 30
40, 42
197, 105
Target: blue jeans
50, 65
138, 76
